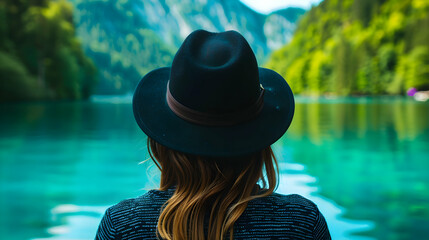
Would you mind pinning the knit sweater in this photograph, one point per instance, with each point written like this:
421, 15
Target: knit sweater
273, 217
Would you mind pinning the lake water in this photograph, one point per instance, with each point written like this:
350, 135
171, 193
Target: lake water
364, 161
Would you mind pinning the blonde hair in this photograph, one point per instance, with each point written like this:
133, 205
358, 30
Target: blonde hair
217, 187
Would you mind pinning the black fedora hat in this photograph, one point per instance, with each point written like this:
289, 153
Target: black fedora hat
214, 100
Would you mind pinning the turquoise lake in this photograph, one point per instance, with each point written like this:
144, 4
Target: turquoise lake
363, 161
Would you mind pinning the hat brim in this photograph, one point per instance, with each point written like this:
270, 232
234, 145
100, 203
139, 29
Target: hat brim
159, 123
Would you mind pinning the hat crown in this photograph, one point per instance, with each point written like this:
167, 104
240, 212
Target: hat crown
210, 102
215, 73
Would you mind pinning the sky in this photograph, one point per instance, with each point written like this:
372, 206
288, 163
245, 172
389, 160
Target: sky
267, 6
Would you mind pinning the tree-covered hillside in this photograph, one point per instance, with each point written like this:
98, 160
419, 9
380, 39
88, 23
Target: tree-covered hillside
346, 47
40, 57
120, 42
128, 38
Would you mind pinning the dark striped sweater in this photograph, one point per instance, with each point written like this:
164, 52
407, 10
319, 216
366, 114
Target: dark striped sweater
274, 217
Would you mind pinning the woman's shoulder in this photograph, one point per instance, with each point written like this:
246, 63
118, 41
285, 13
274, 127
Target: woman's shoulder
152, 197
286, 216
280, 206
134, 217
151, 201
286, 200
294, 199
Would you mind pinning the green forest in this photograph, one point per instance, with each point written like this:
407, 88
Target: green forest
365, 47
120, 42
340, 48
40, 56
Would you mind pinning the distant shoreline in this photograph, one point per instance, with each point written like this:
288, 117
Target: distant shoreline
299, 98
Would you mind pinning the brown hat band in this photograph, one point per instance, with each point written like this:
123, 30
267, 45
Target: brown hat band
210, 119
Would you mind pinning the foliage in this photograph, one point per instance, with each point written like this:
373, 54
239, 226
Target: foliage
120, 43
41, 58
16, 83
369, 47
128, 38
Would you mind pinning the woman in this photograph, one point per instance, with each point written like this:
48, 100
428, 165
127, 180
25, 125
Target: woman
210, 120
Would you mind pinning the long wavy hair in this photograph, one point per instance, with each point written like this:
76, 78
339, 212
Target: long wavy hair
211, 192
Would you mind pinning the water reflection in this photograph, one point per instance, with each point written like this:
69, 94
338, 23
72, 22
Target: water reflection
369, 156
83, 154
363, 161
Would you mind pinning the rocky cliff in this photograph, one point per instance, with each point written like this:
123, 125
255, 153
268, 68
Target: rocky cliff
128, 38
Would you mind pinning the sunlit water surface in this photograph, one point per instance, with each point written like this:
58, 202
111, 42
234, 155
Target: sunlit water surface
364, 161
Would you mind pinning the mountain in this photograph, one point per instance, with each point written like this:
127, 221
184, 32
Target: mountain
360, 47
279, 26
128, 38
